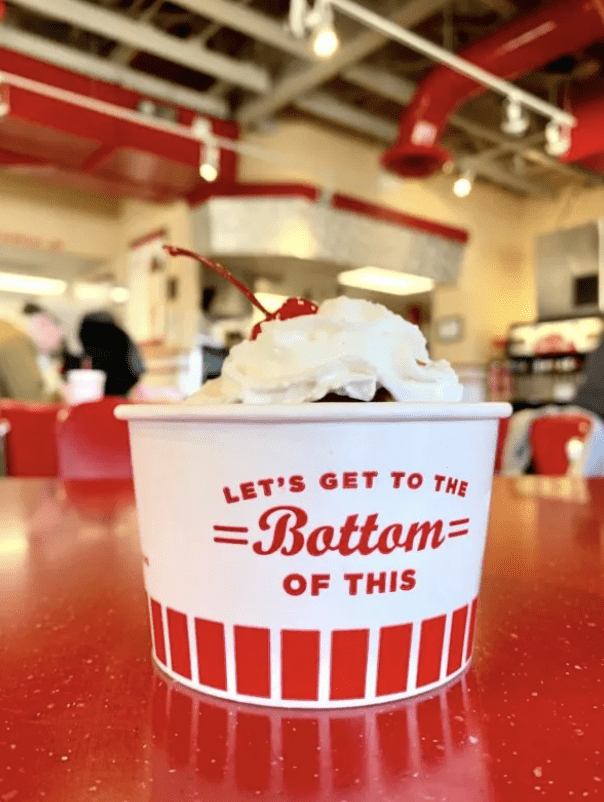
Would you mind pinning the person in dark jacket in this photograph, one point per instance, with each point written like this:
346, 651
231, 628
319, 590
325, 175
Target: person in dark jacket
107, 347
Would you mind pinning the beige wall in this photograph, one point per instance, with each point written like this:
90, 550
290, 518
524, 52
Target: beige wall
35, 214
37, 217
571, 208
85, 225
496, 285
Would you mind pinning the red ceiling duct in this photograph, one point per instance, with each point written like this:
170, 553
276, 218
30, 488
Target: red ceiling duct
515, 49
2, 9
587, 138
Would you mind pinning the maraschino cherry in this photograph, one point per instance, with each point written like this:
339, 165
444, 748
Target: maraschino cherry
293, 307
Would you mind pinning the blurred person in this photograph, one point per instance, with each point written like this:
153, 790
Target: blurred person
20, 376
54, 359
109, 348
44, 328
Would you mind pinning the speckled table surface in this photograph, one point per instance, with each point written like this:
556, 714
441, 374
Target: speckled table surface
84, 715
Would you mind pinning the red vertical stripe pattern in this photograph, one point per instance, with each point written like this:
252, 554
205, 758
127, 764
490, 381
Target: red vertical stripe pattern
458, 720
347, 653
158, 631
349, 649
349, 746
430, 722
252, 661
179, 728
178, 635
211, 653
252, 752
394, 740
470, 641
431, 650
300, 664
301, 756
212, 741
458, 631
393, 659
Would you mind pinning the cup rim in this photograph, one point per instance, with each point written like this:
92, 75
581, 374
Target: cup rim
315, 413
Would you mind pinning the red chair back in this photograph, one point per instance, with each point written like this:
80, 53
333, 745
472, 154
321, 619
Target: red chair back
31, 443
4, 430
92, 443
549, 436
504, 425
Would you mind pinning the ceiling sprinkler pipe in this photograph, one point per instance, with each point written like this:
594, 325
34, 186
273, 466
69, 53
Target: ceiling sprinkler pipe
529, 42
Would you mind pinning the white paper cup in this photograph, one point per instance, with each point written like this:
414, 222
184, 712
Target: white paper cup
85, 385
317, 556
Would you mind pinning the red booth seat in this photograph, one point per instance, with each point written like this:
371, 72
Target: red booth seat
549, 436
31, 445
92, 443
504, 425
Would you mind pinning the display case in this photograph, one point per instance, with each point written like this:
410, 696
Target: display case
546, 359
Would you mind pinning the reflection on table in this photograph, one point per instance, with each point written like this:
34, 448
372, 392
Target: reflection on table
215, 750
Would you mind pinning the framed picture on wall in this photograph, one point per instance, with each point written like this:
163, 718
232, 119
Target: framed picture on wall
449, 329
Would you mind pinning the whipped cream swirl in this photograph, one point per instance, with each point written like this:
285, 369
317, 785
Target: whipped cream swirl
350, 347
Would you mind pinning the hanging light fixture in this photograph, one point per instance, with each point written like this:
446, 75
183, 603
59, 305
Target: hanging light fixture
515, 119
318, 21
463, 185
209, 154
557, 138
324, 39
209, 162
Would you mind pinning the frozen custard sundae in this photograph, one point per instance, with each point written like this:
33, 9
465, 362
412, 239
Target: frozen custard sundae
342, 350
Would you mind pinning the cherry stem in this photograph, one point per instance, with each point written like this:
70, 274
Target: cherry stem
174, 251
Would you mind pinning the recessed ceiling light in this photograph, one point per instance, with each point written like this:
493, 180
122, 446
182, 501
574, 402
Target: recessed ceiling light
91, 291
119, 295
32, 285
378, 279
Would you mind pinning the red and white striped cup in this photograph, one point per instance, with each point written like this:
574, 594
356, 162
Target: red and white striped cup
317, 556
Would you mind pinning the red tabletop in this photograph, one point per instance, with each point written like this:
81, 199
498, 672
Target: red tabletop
85, 716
